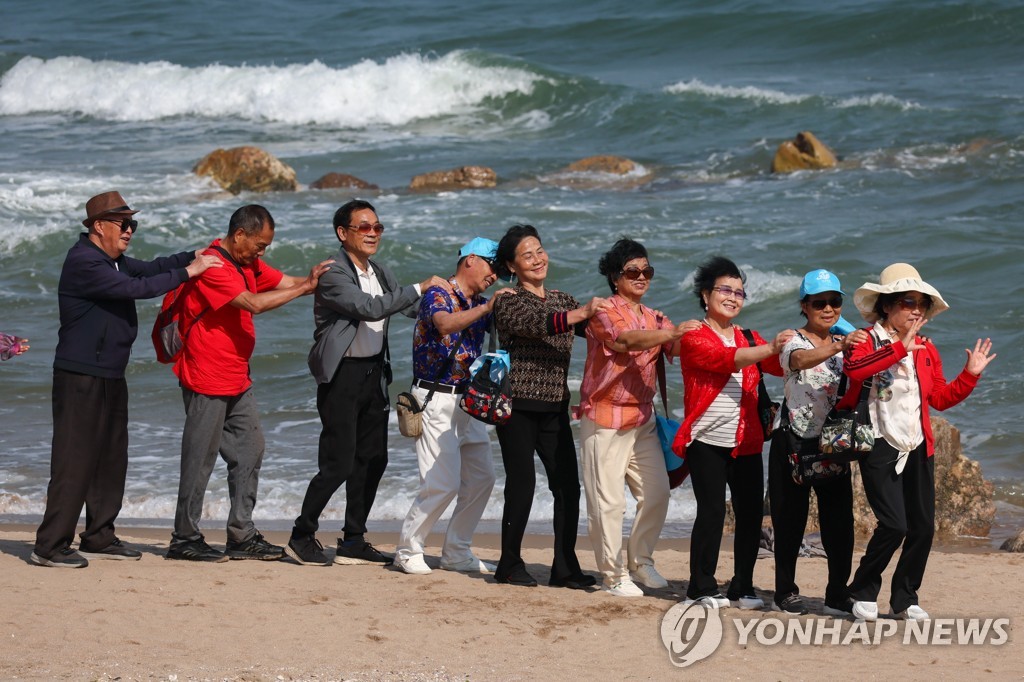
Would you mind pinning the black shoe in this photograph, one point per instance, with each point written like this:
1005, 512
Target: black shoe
115, 550
255, 547
307, 550
840, 609
580, 581
360, 553
791, 603
64, 558
194, 550
517, 576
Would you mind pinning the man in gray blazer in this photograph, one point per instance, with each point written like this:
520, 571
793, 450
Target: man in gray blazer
354, 300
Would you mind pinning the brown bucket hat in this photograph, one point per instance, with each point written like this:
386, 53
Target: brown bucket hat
106, 204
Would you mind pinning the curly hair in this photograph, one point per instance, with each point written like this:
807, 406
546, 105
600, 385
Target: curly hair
507, 247
621, 253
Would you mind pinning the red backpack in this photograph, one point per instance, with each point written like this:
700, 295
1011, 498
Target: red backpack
168, 341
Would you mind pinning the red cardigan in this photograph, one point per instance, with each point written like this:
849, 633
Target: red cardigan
706, 364
863, 361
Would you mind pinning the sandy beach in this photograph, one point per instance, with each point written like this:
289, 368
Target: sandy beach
248, 620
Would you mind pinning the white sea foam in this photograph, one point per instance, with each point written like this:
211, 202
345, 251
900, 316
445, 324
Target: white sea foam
750, 92
769, 96
402, 89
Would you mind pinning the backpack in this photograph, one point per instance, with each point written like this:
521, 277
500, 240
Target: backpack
168, 340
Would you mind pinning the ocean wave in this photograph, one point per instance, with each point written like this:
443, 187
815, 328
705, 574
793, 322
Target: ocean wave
749, 92
402, 89
778, 97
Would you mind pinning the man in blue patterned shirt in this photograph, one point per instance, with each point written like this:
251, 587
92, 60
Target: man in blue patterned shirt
454, 450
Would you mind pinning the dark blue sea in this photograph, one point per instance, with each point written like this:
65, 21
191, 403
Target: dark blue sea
923, 102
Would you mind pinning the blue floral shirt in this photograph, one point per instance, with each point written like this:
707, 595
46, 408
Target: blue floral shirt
430, 349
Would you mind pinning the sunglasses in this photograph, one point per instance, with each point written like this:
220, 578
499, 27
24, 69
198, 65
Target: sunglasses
634, 273
910, 302
367, 228
125, 224
729, 292
834, 302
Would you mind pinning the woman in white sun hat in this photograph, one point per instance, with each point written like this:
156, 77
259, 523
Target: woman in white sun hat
899, 472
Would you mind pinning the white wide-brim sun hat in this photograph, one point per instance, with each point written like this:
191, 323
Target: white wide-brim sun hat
896, 278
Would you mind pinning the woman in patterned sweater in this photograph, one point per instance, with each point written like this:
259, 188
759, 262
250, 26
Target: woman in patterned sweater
536, 327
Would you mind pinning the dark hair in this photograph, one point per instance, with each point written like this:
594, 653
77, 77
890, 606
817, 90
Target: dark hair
621, 253
885, 300
343, 216
709, 271
250, 220
507, 247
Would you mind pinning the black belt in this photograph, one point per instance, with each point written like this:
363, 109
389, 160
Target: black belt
439, 388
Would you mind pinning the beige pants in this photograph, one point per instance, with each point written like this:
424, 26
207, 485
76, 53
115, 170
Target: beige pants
613, 459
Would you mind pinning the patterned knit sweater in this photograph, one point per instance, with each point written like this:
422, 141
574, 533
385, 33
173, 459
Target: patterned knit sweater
538, 338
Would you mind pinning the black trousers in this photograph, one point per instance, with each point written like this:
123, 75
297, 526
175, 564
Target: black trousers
353, 446
550, 436
905, 508
712, 468
789, 505
88, 463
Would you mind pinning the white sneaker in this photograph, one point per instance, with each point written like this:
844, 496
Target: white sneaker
913, 612
413, 565
712, 601
648, 576
625, 588
469, 565
749, 602
865, 610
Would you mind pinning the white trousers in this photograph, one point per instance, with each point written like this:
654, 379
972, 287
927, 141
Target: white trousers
456, 463
613, 459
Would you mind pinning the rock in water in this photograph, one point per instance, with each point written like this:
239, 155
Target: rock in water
337, 180
803, 152
251, 169
1014, 544
465, 177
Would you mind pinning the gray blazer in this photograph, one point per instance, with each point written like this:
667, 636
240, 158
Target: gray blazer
340, 304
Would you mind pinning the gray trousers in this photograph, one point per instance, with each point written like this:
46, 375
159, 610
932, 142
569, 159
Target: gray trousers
228, 425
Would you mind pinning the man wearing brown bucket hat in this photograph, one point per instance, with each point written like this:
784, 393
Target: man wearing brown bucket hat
98, 324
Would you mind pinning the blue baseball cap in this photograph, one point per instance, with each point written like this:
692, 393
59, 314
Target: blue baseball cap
817, 281
479, 246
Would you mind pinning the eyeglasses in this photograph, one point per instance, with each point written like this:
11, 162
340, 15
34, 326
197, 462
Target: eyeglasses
910, 302
125, 224
635, 272
834, 302
367, 228
729, 292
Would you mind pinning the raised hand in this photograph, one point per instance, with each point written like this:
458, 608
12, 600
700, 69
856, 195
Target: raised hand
909, 337
978, 359
315, 273
781, 339
854, 337
435, 281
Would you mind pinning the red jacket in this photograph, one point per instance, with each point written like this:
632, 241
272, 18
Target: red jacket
863, 361
706, 364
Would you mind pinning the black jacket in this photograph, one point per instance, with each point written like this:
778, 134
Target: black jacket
96, 296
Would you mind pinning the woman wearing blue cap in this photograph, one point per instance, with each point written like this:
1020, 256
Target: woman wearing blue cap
812, 364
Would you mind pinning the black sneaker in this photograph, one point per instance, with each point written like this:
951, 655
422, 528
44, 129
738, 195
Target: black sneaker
791, 603
839, 609
307, 550
64, 558
195, 550
517, 576
115, 550
255, 547
360, 553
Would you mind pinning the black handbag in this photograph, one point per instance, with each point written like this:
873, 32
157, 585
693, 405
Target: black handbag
766, 407
848, 435
807, 463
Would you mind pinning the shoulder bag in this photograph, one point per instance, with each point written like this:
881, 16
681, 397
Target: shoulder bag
409, 410
766, 407
667, 428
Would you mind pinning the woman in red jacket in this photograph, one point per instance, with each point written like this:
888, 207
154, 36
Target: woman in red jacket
899, 472
721, 436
